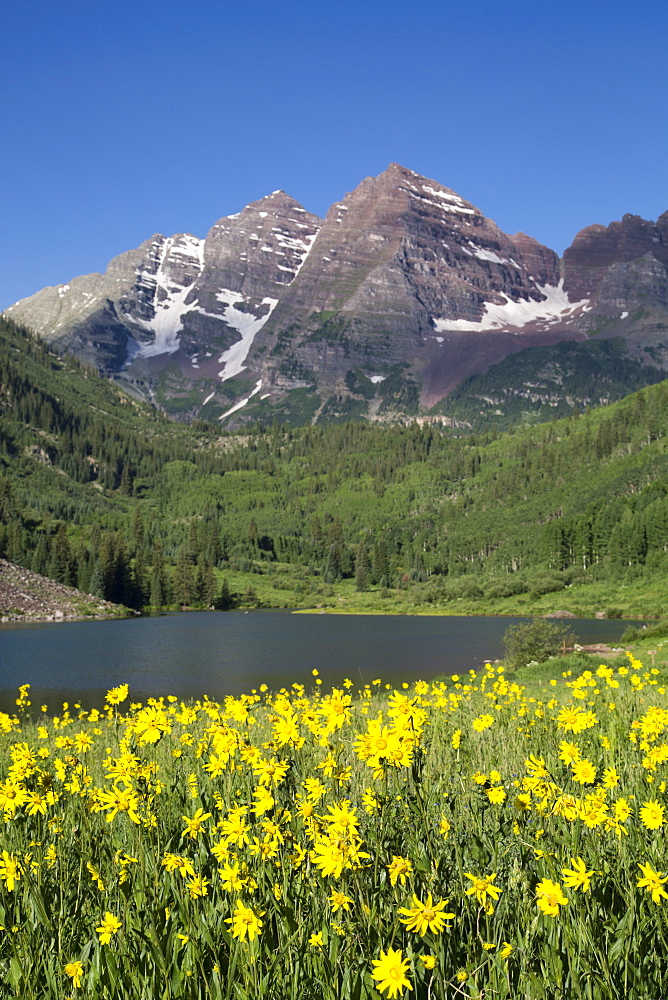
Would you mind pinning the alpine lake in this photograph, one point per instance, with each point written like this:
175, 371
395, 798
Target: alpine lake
196, 654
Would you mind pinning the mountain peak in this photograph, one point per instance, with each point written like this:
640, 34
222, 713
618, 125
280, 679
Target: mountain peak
397, 168
401, 292
278, 199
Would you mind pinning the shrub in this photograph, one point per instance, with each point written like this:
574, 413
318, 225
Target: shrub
657, 631
537, 640
505, 588
466, 587
546, 583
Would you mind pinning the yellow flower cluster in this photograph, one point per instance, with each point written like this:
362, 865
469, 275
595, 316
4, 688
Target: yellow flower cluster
420, 839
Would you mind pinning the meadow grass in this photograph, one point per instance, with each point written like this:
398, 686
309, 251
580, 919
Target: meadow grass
470, 837
280, 585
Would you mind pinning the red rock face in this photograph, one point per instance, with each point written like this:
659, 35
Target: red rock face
597, 248
401, 248
395, 261
403, 275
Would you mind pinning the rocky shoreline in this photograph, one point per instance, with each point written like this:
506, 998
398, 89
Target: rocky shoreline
28, 597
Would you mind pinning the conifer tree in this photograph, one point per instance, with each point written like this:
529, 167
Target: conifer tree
96, 585
361, 567
183, 581
226, 600
381, 562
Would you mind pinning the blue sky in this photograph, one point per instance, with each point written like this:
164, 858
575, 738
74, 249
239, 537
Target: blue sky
128, 118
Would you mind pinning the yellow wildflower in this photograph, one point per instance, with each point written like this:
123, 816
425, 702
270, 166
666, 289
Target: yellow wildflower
577, 877
399, 869
10, 870
550, 897
482, 888
652, 815
110, 925
75, 971
428, 916
194, 825
390, 973
653, 882
245, 922
340, 901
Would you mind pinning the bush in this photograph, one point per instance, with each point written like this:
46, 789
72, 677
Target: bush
634, 634
505, 588
535, 640
546, 583
464, 586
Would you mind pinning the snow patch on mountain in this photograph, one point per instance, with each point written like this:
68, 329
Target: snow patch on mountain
446, 195
482, 253
186, 245
167, 322
458, 206
242, 402
554, 306
168, 297
246, 324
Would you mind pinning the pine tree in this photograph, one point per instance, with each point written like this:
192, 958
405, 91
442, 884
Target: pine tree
125, 485
361, 567
332, 569
183, 582
159, 587
40, 557
381, 562
226, 600
7, 506
96, 585
205, 582
156, 596
61, 563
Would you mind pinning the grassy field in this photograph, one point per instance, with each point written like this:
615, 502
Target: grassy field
477, 836
284, 586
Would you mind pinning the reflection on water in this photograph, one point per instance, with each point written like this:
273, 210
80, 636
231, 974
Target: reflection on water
196, 653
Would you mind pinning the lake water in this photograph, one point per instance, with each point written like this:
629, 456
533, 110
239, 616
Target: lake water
216, 653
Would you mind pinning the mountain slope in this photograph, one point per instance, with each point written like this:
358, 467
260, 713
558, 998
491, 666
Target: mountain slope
546, 383
101, 492
380, 310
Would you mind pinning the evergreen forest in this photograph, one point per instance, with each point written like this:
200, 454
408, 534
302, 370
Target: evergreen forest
101, 492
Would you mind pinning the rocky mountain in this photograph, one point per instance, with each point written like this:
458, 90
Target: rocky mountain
381, 309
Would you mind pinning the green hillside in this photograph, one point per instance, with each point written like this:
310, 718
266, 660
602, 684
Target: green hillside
100, 492
540, 384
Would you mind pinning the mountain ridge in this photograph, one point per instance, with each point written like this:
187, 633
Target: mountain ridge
403, 283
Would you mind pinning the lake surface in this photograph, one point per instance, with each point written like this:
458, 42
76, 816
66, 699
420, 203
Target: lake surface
191, 654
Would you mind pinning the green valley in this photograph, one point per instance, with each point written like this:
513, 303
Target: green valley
101, 492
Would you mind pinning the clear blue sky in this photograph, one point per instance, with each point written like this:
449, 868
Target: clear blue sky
121, 119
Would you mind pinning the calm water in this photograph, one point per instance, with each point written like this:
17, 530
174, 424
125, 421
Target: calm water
192, 654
